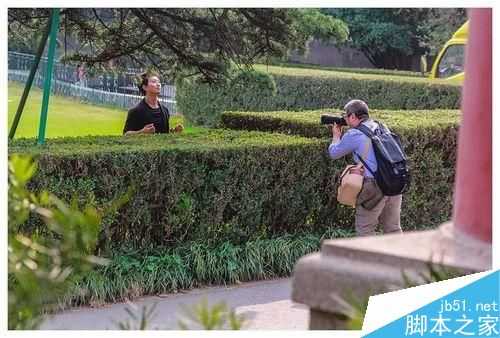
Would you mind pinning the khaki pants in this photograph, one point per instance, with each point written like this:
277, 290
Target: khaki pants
372, 208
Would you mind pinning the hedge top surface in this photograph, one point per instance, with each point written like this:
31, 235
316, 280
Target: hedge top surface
395, 118
380, 71
321, 73
208, 139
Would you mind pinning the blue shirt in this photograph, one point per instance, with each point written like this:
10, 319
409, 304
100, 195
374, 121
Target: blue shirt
354, 141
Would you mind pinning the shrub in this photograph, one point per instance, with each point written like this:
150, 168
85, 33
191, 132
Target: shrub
308, 92
227, 185
306, 123
378, 71
216, 185
430, 142
356, 73
200, 102
303, 89
42, 267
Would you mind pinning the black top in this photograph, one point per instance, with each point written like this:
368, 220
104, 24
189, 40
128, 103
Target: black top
142, 114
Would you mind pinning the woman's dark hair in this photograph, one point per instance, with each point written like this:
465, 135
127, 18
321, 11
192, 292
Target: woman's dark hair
143, 80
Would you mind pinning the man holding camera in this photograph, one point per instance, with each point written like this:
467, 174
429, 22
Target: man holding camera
372, 207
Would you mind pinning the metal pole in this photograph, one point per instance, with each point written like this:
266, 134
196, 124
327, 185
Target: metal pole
48, 74
29, 82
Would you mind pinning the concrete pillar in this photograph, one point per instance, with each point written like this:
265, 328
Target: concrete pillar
472, 205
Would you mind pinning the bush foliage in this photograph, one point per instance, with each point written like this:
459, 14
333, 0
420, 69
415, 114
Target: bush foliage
379, 71
306, 123
216, 185
41, 268
429, 138
227, 185
357, 73
201, 103
303, 89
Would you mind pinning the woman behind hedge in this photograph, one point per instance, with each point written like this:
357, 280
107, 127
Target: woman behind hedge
149, 116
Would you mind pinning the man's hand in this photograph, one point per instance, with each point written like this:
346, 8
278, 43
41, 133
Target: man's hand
357, 170
336, 131
148, 129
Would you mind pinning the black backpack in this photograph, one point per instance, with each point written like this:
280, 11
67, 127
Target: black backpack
393, 174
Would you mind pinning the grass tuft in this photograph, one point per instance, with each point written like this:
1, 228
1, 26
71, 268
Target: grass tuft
134, 273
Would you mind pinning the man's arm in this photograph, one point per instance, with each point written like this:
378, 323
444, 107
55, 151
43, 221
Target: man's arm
148, 129
133, 125
130, 122
340, 146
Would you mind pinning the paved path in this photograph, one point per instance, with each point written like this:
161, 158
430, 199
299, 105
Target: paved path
265, 305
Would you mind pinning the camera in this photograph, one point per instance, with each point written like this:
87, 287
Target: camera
331, 119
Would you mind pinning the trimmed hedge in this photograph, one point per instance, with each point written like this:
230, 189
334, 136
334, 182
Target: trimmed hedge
215, 185
304, 89
429, 138
306, 92
379, 71
306, 123
202, 107
225, 185
355, 74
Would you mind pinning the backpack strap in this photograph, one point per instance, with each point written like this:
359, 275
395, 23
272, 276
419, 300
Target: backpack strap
362, 161
365, 153
346, 170
368, 132
365, 130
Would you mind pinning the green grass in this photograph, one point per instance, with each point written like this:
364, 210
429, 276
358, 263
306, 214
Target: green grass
67, 116
134, 273
299, 71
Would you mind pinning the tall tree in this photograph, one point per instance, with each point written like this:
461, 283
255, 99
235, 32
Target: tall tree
197, 40
441, 24
389, 37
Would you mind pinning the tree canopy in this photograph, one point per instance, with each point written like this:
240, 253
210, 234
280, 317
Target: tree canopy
441, 24
388, 36
192, 40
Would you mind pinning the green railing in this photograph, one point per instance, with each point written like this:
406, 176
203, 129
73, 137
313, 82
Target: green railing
104, 88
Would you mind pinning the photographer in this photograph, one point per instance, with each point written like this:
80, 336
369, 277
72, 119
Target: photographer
372, 207
149, 116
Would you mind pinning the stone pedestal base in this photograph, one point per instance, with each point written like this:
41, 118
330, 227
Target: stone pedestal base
320, 320
348, 270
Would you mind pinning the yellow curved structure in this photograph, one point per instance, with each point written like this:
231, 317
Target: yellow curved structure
450, 62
